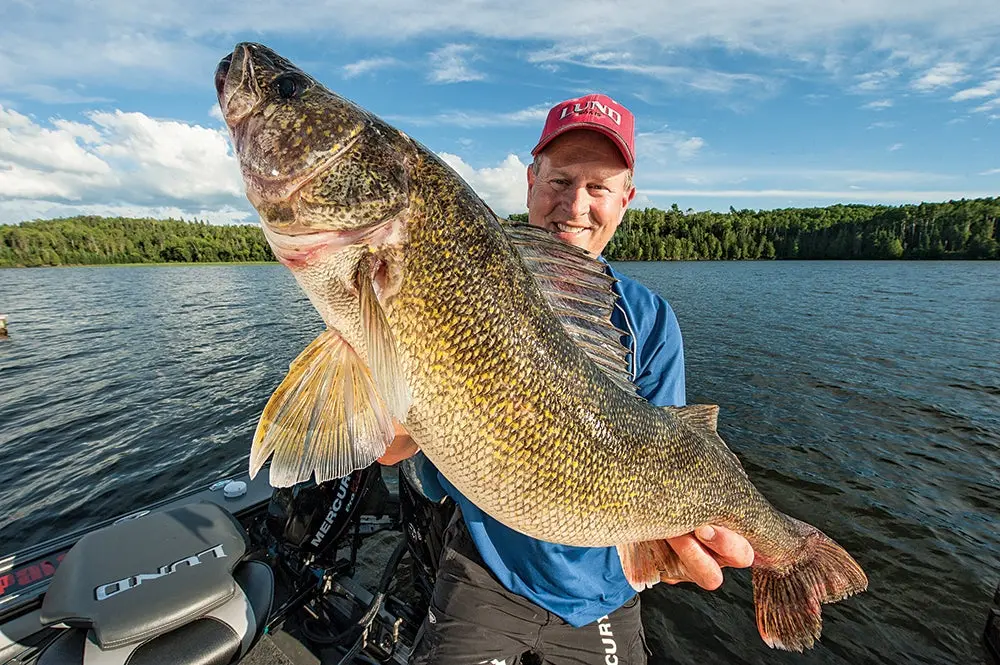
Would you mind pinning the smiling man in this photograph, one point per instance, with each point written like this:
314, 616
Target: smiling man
581, 180
499, 593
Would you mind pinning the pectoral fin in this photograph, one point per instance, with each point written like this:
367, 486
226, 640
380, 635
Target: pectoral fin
325, 418
382, 356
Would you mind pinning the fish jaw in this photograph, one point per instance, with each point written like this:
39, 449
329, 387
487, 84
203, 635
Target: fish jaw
266, 188
235, 86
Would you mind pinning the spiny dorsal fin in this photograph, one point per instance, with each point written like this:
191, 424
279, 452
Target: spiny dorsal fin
578, 289
701, 416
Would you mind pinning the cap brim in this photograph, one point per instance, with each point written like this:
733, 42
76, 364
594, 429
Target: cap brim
593, 126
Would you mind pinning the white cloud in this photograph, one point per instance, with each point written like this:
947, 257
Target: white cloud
988, 88
49, 94
988, 106
504, 187
666, 146
177, 43
941, 75
115, 160
878, 105
972, 93
874, 81
895, 146
527, 116
78, 50
368, 65
449, 64
167, 157
849, 194
702, 80
882, 125
641, 201
688, 148
991, 172
18, 210
794, 174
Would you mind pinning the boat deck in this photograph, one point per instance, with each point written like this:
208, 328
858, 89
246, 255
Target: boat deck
284, 647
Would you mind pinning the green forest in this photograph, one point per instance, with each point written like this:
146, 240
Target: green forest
111, 240
965, 229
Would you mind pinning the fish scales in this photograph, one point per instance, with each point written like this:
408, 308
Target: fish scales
523, 433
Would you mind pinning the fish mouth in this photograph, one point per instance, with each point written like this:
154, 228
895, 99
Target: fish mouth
221, 72
226, 90
264, 189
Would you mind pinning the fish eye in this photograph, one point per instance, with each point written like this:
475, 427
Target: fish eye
288, 86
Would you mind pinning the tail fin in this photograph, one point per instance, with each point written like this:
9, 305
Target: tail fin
788, 595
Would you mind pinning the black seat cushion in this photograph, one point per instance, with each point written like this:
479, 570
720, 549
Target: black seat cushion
144, 577
257, 581
221, 636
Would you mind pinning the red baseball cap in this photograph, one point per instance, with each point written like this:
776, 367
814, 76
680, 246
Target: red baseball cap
597, 112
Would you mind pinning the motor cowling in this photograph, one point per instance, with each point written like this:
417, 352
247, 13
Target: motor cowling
314, 517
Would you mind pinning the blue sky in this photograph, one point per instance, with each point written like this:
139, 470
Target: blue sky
108, 106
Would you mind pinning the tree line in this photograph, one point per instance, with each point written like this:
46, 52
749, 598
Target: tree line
115, 240
965, 229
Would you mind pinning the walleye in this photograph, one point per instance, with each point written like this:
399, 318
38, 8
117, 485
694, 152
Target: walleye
492, 343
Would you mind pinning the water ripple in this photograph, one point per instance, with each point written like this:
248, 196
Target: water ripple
861, 397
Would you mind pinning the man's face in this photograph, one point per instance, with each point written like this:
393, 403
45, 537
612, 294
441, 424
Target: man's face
580, 189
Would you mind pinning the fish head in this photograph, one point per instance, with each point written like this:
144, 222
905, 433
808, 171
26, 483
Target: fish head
323, 173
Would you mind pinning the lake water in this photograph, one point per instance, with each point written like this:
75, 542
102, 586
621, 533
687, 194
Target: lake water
862, 397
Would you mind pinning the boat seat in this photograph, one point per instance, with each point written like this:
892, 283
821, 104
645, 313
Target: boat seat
168, 588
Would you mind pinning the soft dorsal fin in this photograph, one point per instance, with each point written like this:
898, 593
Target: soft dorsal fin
700, 416
579, 291
705, 417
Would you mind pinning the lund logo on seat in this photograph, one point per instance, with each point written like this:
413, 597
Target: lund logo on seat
105, 591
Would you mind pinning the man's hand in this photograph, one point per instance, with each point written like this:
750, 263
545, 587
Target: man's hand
707, 551
401, 448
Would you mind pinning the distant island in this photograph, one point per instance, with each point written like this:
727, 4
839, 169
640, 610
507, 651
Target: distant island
965, 229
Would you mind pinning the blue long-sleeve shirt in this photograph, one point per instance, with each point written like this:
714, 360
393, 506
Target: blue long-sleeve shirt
581, 584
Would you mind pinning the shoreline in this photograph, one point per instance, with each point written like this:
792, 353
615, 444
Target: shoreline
167, 264
275, 263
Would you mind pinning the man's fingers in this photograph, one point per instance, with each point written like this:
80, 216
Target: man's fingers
698, 562
729, 548
704, 554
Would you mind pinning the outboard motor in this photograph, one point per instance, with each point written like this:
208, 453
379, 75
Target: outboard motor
313, 518
991, 636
